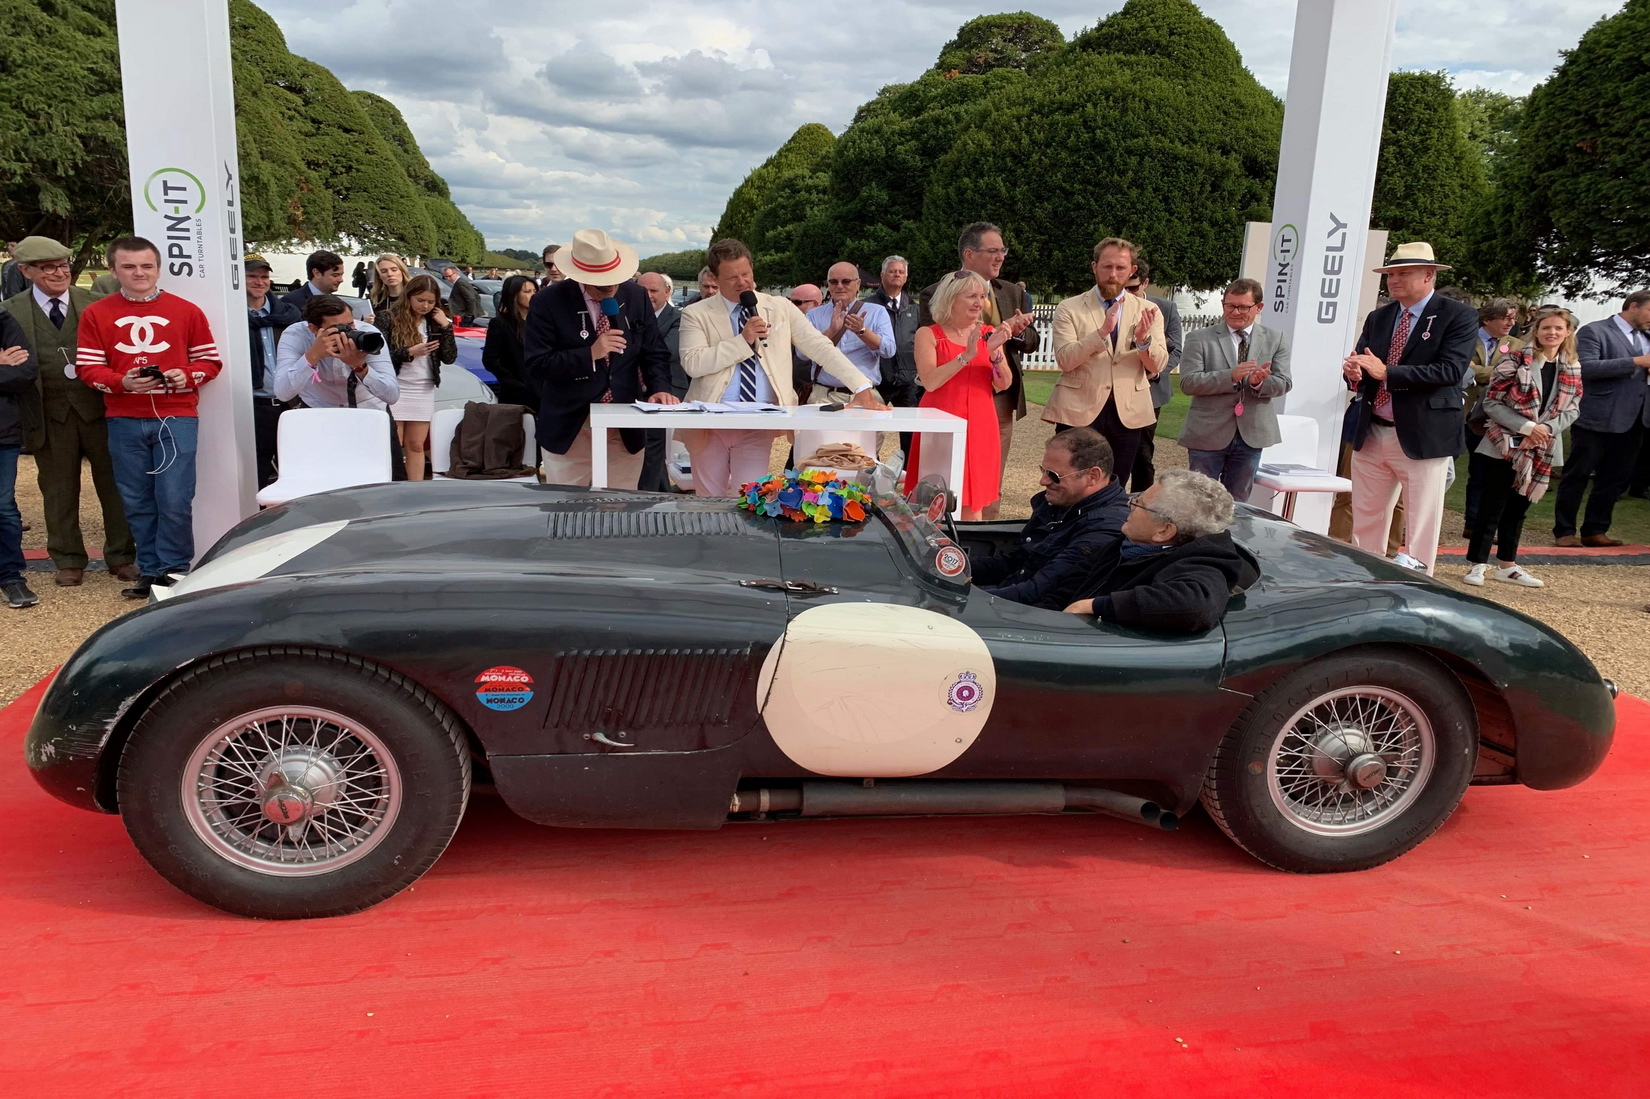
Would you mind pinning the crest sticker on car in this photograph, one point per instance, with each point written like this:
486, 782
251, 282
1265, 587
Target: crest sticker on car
964, 692
950, 561
504, 688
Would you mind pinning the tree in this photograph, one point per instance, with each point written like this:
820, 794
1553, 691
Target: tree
1490, 120
1146, 127
317, 162
1430, 182
1013, 41
677, 265
1575, 186
801, 153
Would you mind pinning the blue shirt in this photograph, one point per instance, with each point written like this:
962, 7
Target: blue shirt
854, 349
1489, 343
764, 389
266, 336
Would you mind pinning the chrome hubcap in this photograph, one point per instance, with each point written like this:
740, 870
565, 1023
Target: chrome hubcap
1350, 760
291, 791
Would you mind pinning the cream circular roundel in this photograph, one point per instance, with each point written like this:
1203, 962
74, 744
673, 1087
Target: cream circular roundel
874, 690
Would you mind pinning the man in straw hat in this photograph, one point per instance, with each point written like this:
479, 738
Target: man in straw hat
1405, 423
63, 420
592, 339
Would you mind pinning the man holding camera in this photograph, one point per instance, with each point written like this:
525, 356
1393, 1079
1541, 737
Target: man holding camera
335, 361
148, 352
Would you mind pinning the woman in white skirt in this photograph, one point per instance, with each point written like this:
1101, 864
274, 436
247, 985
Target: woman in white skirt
421, 340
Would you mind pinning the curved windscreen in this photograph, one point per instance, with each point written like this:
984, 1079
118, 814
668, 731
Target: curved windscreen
916, 520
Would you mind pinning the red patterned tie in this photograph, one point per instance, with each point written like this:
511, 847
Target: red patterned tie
1383, 399
602, 326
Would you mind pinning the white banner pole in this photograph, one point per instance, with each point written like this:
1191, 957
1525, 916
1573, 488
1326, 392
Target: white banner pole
180, 142
1317, 259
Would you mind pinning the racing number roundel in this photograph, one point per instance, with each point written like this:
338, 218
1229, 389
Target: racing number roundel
950, 561
504, 688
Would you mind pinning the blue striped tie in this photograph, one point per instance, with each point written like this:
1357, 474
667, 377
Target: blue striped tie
748, 368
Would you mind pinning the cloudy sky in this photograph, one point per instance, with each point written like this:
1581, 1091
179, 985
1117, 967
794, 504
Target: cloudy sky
640, 117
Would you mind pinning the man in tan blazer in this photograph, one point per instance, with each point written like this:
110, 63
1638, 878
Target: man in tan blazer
730, 355
1109, 346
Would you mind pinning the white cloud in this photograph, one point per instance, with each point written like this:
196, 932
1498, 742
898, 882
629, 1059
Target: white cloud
641, 118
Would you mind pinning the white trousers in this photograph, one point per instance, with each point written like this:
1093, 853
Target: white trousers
726, 460
1379, 472
624, 469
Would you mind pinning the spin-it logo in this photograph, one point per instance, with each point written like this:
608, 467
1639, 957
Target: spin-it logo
178, 196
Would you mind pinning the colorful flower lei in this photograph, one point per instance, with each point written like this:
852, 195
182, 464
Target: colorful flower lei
810, 494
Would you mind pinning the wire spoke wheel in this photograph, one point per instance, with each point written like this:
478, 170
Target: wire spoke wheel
1350, 760
291, 791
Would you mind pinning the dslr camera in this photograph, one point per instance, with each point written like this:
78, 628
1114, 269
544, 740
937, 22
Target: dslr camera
369, 342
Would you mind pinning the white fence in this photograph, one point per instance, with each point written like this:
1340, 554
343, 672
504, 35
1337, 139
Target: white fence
1043, 357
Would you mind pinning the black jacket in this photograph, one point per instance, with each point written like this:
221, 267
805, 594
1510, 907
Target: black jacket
281, 316
1058, 549
443, 335
298, 298
1180, 590
906, 320
15, 381
559, 333
502, 354
1425, 383
465, 298
669, 320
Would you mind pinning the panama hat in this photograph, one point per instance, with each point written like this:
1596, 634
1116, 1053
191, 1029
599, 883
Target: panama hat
596, 259
1416, 253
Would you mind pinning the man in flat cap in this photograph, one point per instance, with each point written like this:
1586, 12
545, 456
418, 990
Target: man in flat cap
63, 419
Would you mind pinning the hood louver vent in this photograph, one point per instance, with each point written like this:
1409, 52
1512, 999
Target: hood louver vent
651, 523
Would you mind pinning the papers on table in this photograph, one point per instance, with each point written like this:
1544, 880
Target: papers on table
1293, 469
712, 406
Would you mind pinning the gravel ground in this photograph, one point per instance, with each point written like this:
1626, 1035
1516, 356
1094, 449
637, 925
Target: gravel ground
1600, 607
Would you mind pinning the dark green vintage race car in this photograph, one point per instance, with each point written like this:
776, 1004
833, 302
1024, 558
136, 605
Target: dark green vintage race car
296, 728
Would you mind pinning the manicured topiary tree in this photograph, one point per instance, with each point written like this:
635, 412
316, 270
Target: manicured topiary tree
1430, 183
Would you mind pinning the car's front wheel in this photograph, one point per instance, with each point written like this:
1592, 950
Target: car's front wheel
291, 783
1346, 763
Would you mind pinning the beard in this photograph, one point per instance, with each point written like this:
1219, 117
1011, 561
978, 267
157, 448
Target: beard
1111, 289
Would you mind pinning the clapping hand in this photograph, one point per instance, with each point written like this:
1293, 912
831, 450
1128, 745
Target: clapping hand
854, 322
999, 336
1252, 373
1018, 323
1143, 327
1112, 316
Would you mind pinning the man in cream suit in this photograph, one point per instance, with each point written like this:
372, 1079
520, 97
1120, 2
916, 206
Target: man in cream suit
1109, 346
1231, 371
732, 355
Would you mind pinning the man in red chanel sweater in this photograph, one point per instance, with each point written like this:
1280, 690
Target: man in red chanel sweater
148, 352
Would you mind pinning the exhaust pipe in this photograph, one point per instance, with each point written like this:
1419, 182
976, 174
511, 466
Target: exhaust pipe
954, 798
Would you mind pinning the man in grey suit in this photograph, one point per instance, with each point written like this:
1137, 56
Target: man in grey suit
655, 477
1232, 371
1144, 472
1615, 413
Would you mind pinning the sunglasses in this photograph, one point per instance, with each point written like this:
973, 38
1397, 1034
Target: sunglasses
840, 282
1054, 478
803, 302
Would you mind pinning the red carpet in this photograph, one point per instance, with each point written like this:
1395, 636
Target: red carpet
1506, 957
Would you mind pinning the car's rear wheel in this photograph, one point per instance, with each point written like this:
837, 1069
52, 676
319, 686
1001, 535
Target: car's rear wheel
1346, 763
293, 783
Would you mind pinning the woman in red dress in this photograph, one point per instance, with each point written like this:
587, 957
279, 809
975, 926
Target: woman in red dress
960, 365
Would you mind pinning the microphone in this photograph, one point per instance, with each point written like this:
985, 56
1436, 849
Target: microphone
748, 300
610, 310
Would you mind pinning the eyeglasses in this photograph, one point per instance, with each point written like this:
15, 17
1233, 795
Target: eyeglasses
1054, 478
1134, 502
1239, 306
50, 268
1003, 252
840, 282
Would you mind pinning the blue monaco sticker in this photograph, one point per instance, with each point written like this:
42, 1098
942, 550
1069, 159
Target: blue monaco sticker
504, 688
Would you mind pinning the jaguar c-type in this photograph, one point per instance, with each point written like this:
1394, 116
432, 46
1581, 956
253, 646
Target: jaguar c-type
295, 729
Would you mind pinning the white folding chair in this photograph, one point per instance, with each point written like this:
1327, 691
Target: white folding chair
445, 426
1297, 445
320, 449
807, 442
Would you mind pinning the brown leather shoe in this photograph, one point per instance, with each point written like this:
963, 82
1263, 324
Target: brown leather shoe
1568, 540
1600, 541
70, 578
127, 572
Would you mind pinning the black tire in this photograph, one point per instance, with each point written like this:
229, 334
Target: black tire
223, 853
1267, 789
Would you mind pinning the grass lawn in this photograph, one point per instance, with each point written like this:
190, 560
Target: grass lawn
1632, 517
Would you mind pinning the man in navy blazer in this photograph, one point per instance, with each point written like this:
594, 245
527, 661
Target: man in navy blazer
581, 351
1615, 415
1406, 423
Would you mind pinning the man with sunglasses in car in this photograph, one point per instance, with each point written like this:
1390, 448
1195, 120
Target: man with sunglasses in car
1075, 531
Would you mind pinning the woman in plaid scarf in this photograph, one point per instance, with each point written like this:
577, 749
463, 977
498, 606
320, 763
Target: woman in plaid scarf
1533, 395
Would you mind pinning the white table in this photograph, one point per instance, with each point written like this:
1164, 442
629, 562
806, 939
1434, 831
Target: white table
945, 437
1289, 484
